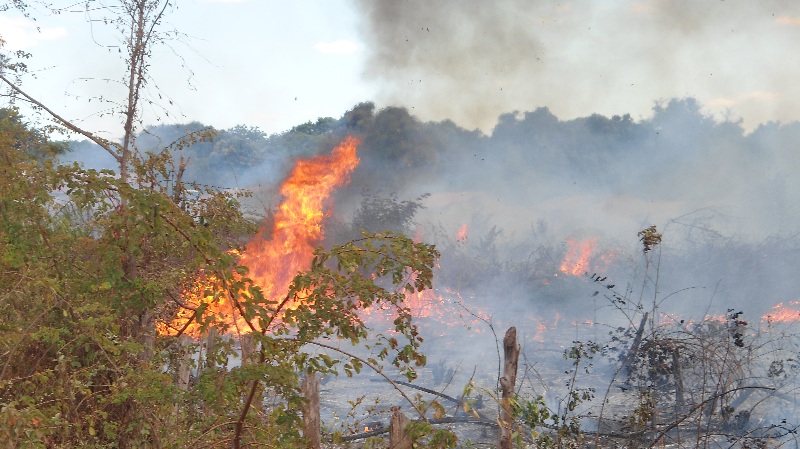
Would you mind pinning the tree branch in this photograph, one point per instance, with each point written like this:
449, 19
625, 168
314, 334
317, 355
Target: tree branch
103, 143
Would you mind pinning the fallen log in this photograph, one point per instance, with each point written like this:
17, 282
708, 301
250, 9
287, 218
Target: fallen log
445, 420
459, 402
417, 387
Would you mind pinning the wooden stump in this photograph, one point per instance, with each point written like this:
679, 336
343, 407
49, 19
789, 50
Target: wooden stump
677, 374
398, 438
184, 369
507, 384
184, 362
311, 420
211, 342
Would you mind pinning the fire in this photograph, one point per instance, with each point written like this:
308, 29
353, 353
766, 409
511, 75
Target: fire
425, 303
462, 233
783, 314
195, 292
541, 329
605, 260
436, 309
576, 261
275, 255
418, 233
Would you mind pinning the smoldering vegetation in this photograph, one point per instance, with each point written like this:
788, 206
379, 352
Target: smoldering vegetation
538, 224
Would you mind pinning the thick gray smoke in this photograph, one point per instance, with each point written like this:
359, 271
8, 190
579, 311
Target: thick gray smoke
470, 61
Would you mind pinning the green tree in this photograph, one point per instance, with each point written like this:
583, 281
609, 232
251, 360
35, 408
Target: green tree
398, 138
77, 368
379, 212
94, 259
89, 384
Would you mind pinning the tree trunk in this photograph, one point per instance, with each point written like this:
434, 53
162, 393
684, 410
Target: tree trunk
147, 333
311, 419
637, 341
249, 357
211, 348
184, 369
507, 384
677, 374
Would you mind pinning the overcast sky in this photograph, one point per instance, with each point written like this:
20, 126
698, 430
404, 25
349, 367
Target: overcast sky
276, 64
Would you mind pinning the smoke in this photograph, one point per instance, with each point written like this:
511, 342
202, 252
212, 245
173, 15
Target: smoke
724, 198
439, 51
88, 155
470, 61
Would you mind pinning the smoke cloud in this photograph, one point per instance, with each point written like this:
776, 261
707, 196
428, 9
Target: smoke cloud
470, 61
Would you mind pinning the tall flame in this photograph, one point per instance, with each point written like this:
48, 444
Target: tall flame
289, 248
297, 227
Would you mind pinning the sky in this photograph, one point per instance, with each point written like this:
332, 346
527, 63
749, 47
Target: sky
276, 64
265, 63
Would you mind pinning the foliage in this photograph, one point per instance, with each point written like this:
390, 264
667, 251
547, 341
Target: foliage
423, 434
77, 348
650, 238
92, 259
699, 382
559, 428
95, 258
667, 381
98, 379
321, 126
31, 142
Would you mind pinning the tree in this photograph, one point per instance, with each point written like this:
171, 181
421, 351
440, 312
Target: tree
31, 142
75, 354
321, 126
397, 138
379, 212
94, 259
358, 119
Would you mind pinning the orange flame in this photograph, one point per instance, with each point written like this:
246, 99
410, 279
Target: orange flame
289, 248
425, 303
783, 314
200, 289
576, 261
541, 328
418, 234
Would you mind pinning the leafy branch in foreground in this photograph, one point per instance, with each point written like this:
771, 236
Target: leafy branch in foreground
325, 302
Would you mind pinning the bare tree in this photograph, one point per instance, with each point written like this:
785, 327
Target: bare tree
138, 24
